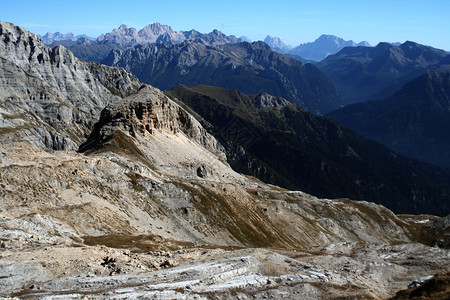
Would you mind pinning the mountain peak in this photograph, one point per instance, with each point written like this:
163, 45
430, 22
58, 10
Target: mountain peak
155, 29
217, 32
323, 46
277, 44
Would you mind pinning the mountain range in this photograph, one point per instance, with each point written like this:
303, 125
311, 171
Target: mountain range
315, 51
415, 121
50, 38
125, 37
156, 34
360, 73
249, 68
363, 73
109, 189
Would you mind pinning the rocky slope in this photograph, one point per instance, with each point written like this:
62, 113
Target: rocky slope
151, 209
278, 142
415, 121
248, 68
363, 73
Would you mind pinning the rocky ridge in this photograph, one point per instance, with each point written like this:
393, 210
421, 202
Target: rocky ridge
124, 37
150, 211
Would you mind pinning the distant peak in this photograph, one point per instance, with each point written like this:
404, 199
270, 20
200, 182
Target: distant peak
328, 37
383, 45
217, 32
364, 44
409, 44
260, 44
157, 25
274, 38
245, 39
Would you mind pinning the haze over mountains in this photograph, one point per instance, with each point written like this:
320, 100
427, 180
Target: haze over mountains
109, 189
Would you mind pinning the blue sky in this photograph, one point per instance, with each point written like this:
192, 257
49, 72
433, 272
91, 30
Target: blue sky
422, 21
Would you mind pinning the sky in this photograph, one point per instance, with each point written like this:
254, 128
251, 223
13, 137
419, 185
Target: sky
422, 21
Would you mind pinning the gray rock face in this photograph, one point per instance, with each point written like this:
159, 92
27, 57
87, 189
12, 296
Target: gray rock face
52, 95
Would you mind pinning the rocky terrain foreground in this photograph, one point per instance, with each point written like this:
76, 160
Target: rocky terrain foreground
144, 205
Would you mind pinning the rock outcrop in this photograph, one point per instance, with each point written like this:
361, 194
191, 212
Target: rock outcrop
145, 112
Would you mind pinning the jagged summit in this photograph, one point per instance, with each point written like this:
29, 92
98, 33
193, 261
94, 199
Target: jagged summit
124, 37
154, 29
157, 33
